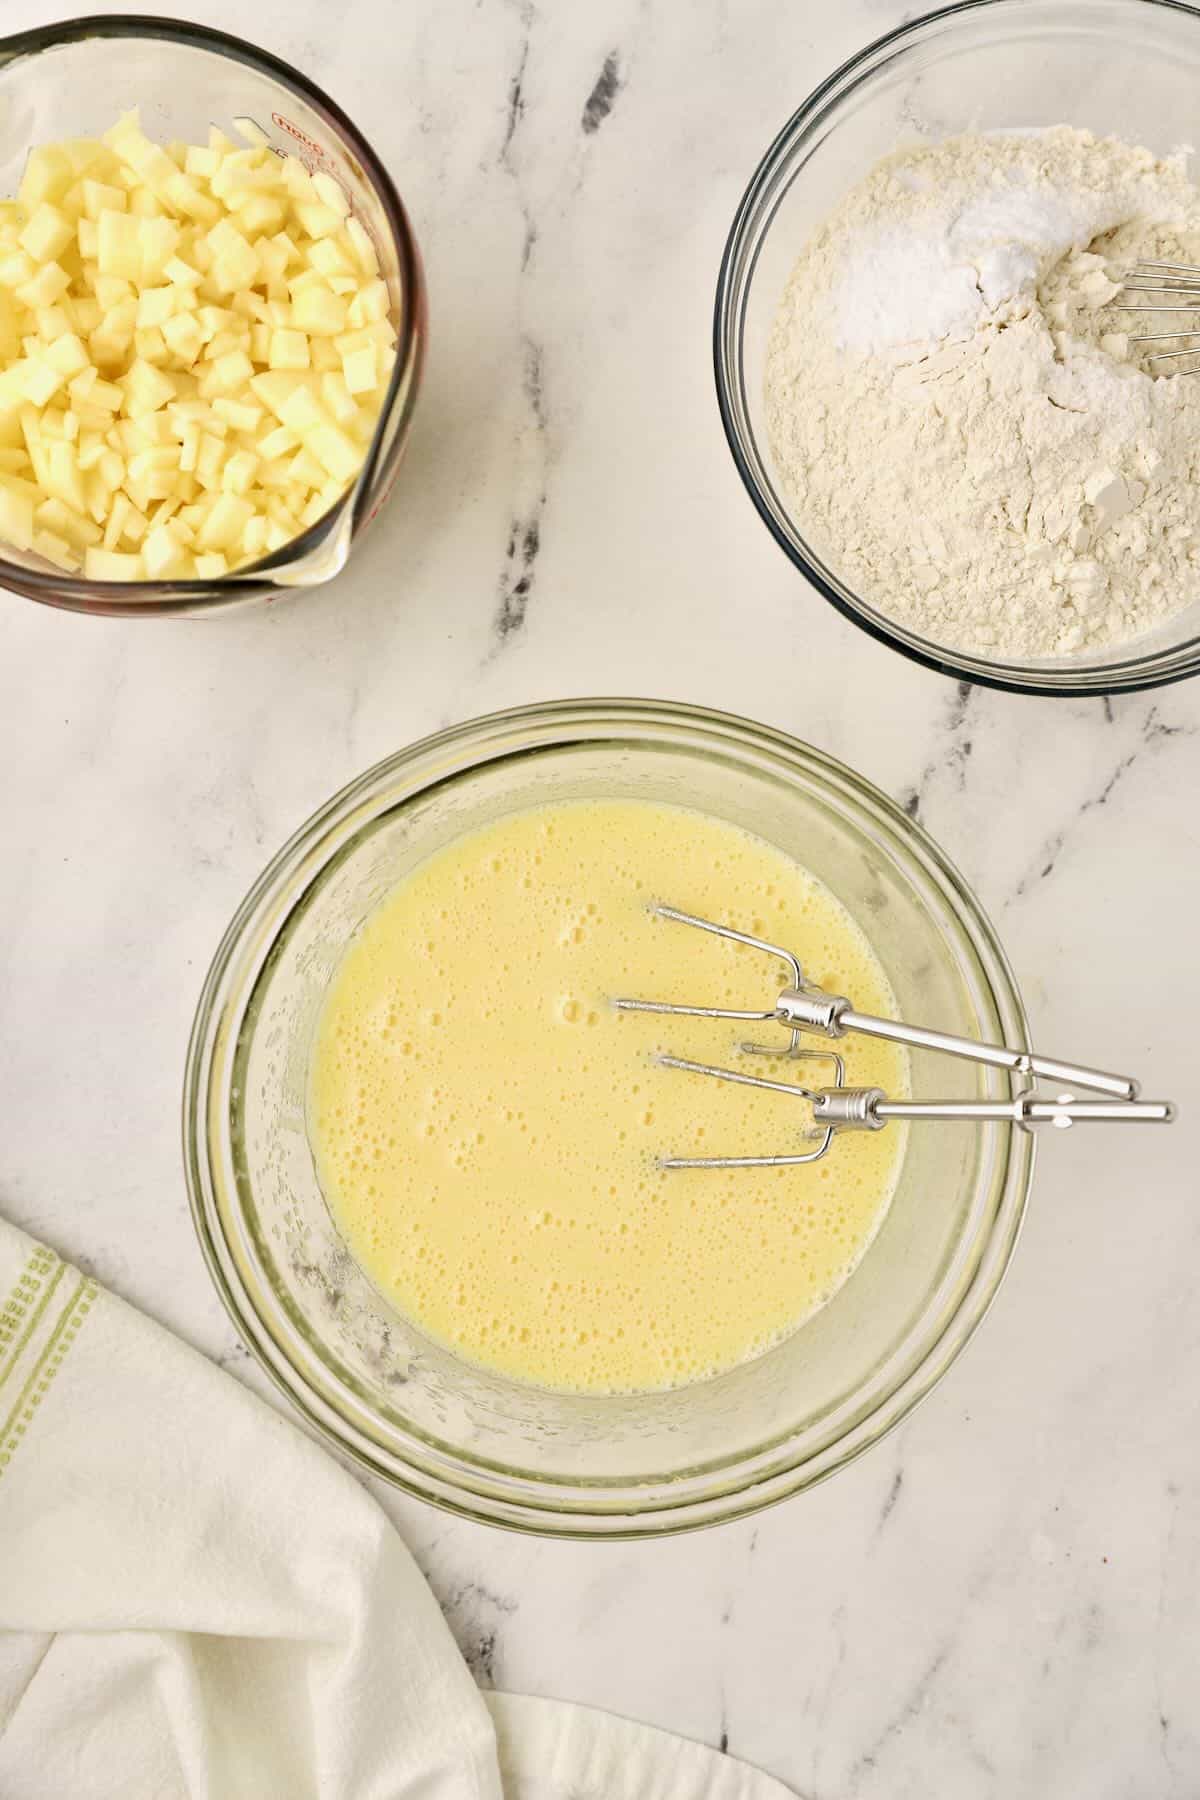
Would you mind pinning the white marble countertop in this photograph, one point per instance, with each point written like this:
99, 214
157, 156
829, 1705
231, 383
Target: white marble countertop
1002, 1599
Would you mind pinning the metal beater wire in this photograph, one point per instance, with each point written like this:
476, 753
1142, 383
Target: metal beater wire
806, 1007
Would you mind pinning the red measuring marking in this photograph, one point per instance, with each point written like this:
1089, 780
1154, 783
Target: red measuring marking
301, 137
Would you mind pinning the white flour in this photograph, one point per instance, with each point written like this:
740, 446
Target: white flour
963, 428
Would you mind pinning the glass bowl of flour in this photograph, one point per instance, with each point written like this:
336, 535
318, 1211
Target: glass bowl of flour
924, 370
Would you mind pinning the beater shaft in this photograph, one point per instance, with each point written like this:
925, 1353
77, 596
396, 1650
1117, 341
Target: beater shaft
810, 1007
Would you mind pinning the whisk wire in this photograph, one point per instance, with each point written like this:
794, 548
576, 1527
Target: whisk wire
1178, 284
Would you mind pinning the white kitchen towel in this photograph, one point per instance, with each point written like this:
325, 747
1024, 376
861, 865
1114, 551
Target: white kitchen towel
196, 1603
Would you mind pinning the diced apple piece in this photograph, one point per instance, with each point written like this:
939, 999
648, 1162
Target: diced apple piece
328, 257
159, 241
300, 410
254, 537
87, 314
274, 387
183, 336
239, 472
16, 518
181, 272
289, 349
164, 555
151, 346
145, 389
92, 421
144, 204
362, 246
67, 355
251, 130
374, 301
213, 319
234, 269
56, 549
298, 181
16, 268
47, 286
277, 442
112, 468
119, 511
317, 310
331, 193
48, 175
105, 395
338, 454
63, 477
99, 196
201, 163
227, 521
338, 399
56, 516
112, 291
304, 469
360, 370
317, 219
149, 160
119, 246
261, 213
36, 380
189, 448
232, 371
47, 234
52, 321
99, 499
315, 509
209, 458
156, 305
224, 342
242, 415
112, 565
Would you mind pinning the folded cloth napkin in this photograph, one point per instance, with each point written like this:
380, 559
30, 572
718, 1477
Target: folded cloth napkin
195, 1601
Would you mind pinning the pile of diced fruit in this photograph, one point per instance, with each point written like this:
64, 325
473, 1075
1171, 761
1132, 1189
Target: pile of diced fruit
195, 345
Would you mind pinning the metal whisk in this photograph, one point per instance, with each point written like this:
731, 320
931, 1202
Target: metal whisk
802, 1006
1176, 283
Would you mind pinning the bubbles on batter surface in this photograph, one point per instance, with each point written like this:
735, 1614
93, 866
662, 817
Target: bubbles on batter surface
487, 1124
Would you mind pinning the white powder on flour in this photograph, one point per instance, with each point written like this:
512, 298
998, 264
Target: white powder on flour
968, 437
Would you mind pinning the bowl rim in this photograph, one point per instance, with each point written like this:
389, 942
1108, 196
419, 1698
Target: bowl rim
488, 1493
729, 376
129, 599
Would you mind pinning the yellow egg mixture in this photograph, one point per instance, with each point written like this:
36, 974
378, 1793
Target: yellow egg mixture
486, 1124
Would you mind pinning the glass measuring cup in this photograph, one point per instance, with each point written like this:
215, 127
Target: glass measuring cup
72, 80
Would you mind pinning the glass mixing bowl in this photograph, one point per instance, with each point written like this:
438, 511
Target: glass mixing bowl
72, 80
509, 1453
1124, 67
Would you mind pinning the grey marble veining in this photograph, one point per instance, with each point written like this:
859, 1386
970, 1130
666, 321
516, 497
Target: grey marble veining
1002, 1599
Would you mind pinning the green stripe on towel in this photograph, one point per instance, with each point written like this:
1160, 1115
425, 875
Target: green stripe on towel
46, 1361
